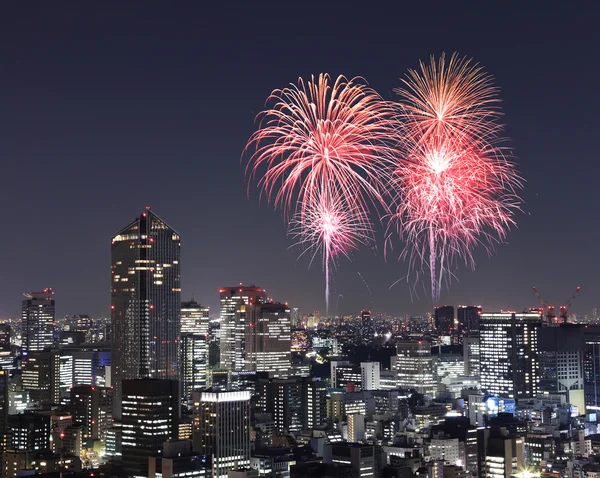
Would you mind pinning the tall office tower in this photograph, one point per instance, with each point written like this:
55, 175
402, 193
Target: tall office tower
38, 320
346, 375
370, 375
194, 318
356, 427
222, 429
145, 302
41, 376
149, 418
509, 354
468, 318
314, 403
444, 319
234, 302
268, 339
282, 398
367, 329
471, 354
92, 410
194, 364
414, 365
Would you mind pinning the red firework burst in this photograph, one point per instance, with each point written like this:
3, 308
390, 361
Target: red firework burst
454, 187
321, 154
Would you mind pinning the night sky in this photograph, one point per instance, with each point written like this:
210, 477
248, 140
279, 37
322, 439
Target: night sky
107, 107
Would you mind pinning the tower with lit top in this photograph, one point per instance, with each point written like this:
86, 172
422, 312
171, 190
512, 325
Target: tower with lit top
145, 302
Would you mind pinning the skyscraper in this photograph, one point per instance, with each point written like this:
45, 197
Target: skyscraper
194, 364
194, 318
145, 302
38, 320
222, 429
150, 412
233, 303
444, 319
414, 365
508, 347
367, 329
468, 318
268, 339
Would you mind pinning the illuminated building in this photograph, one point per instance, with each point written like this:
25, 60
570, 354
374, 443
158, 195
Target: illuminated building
28, 432
149, 418
92, 409
509, 354
268, 339
444, 319
413, 364
471, 354
366, 460
222, 429
233, 304
468, 318
346, 375
5, 332
282, 398
367, 330
194, 363
194, 318
38, 321
145, 302
295, 317
41, 376
356, 427
370, 375
315, 403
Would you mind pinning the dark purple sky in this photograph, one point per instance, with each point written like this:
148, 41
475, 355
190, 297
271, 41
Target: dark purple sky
107, 107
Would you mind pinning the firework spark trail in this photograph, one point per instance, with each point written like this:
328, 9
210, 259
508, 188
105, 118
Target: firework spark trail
321, 155
332, 228
368, 288
454, 188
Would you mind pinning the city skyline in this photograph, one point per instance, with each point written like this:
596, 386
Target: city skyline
117, 115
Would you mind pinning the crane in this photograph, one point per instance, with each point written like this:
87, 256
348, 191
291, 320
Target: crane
564, 309
550, 315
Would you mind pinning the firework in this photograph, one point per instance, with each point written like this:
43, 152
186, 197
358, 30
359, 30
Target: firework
454, 187
320, 154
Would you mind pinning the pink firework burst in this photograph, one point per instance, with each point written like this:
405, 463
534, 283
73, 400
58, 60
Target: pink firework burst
322, 146
454, 188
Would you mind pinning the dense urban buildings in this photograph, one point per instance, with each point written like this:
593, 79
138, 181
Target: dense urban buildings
145, 302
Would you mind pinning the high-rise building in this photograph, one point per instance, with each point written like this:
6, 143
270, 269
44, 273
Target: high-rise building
194, 318
367, 329
282, 398
268, 339
222, 429
38, 320
149, 418
5, 333
194, 364
471, 354
314, 402
92, 410
4, 409
41, 376
234, 302
468, 318
370, 374
145, 302
414, 365
444, 319
366, 460
295, 317
509, 354
28, 432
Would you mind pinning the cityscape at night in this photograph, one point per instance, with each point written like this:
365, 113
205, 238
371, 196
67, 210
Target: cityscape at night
280, 240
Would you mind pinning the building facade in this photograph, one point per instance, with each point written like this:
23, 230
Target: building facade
38, 320
145, 302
